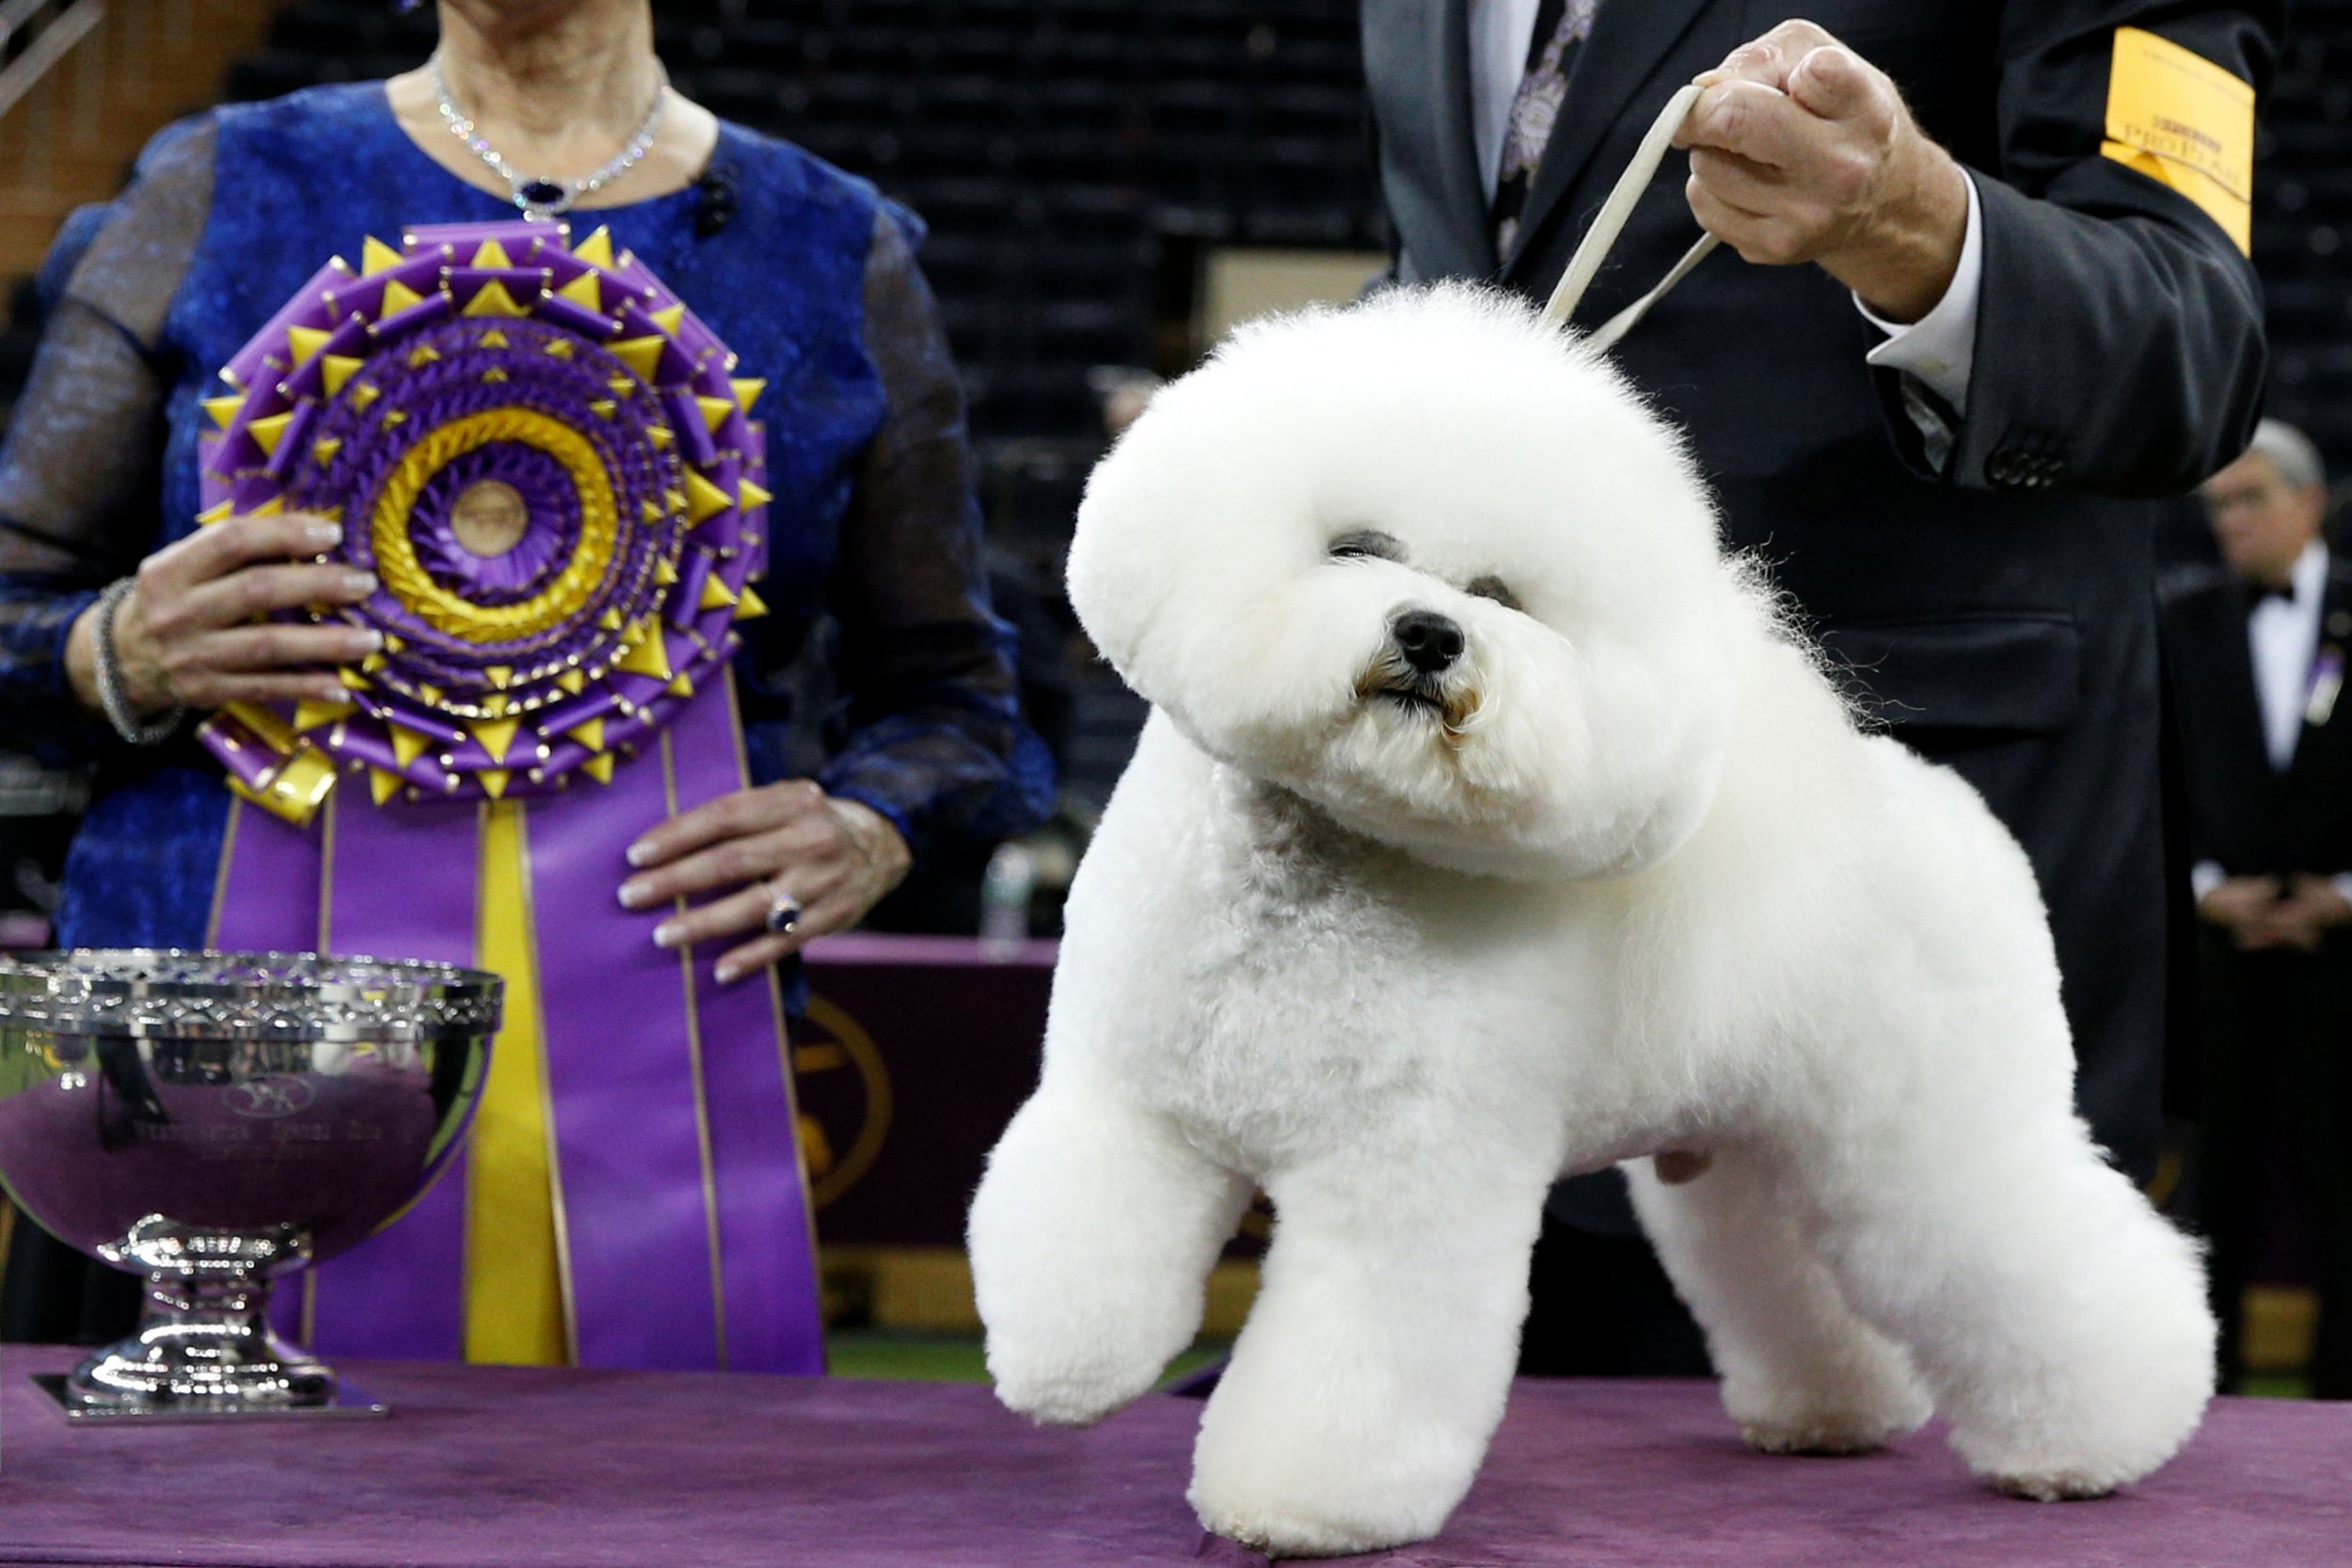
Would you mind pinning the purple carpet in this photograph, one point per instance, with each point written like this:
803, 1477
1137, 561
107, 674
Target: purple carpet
1604, 1474
509, 1468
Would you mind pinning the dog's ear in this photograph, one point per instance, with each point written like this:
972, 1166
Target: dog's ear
1114, 555
1187, 521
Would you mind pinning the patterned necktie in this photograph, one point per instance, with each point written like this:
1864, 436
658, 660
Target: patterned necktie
1560, 26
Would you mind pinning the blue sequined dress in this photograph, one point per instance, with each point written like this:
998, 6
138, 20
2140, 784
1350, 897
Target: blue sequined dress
811, 280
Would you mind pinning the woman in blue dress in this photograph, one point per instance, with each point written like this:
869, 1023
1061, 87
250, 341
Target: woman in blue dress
118, 616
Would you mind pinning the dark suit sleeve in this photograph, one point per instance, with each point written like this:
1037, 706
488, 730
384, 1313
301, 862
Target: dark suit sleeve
2119, 331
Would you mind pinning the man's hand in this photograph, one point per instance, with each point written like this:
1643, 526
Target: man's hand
2242, 906
2266, 912
1802, 150
2312, 906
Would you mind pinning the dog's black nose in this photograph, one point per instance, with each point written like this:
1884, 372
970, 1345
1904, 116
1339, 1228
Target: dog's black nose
1428, 640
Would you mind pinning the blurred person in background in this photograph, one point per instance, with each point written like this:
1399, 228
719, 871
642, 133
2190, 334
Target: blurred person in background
1983, 298
2256, 651
805, 272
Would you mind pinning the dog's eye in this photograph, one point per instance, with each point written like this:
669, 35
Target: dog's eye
1356, 544
1493, 588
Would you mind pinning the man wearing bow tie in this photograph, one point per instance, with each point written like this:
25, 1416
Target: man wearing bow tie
2257, 653
1990, 286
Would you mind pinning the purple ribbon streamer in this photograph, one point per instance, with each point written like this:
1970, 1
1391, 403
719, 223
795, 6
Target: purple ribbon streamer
620, 1075
270, 894
402, 887
766, 1238
397, 1294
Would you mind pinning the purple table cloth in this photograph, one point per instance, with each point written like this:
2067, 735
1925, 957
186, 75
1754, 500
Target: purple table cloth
495, 1467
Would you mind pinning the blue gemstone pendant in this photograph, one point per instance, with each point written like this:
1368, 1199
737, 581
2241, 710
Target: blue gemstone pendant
541, 197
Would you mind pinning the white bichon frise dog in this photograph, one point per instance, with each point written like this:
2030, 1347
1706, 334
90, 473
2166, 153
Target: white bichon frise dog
1490, 826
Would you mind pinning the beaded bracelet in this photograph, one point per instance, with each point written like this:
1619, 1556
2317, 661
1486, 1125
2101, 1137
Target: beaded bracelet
154, 732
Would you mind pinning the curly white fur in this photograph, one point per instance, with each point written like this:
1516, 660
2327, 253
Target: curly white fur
1625, 877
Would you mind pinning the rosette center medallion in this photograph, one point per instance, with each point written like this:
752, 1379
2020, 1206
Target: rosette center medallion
488, 518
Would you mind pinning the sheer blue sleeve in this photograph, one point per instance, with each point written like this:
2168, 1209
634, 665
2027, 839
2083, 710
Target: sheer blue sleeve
80, 470
929, 730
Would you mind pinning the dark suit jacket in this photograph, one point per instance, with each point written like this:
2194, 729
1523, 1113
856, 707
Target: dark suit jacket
2244, 814
1998, 613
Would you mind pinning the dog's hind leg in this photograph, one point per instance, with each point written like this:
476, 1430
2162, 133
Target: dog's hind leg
1379, 1353
2059, 1321
1801, 1373
1091, 1239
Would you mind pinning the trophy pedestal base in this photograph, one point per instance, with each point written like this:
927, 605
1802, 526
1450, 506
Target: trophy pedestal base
204, 1351
349, 1404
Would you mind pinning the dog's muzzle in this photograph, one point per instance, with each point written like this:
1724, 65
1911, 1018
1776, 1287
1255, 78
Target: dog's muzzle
1418, 670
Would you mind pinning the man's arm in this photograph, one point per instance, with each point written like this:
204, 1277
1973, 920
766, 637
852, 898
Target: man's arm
2117, 344
2120, 335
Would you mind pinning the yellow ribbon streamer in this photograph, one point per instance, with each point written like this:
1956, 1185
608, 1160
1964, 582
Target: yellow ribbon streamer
515, 1297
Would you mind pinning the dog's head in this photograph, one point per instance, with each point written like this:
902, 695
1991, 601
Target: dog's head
1433, 566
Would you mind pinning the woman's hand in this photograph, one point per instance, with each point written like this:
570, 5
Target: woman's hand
184, 635
834, 859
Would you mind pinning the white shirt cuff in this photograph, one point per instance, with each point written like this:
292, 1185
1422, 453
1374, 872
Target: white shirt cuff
2204, 876
1939, 348
2344, 885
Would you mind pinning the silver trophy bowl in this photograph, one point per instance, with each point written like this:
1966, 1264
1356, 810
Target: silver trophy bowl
214, 1121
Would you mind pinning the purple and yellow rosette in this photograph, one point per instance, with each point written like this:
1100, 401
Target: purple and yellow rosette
492, 366
549, 464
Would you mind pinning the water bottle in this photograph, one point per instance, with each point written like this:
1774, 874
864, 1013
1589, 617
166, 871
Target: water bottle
1006, 889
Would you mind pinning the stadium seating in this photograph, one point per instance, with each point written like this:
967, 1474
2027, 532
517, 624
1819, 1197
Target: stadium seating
2303, 225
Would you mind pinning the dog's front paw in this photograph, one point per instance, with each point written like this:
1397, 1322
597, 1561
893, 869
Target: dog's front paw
1063, 1386
1324, 1476
1283, 1518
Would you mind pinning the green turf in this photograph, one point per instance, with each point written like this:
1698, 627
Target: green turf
903, 1356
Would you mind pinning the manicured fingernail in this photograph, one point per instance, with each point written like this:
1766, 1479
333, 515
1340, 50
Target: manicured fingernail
726, 974
325, 536
667, 934
634, 893
360, 582
330, 691
375, 639
640, 852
